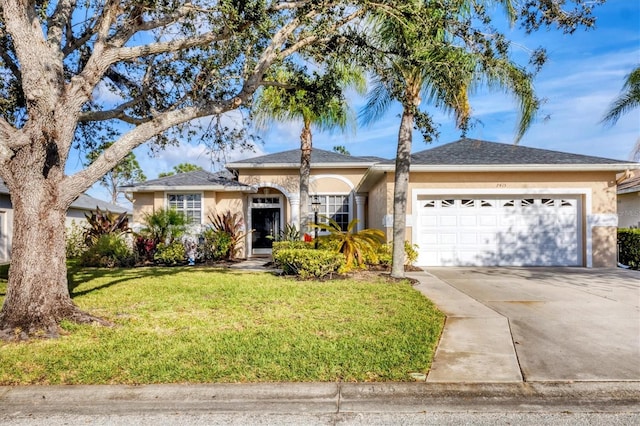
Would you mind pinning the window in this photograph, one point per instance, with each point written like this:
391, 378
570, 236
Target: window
188, 204
334, 206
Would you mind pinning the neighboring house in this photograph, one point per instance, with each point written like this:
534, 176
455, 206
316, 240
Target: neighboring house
629, 201
470, 202
76, 214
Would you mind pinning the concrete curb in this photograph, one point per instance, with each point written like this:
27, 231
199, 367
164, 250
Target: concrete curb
322, 398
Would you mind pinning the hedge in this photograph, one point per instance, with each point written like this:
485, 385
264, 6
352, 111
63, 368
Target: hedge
629, 245
308, 263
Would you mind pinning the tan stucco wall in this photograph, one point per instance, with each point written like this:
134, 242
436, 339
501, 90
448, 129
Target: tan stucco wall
212, 202
629, 210
379, 196
605, 247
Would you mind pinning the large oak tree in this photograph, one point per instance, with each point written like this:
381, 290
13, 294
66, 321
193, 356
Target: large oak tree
125, 71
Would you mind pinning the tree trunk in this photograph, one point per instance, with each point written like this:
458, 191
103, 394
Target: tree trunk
401, 186
305, 171
37, 293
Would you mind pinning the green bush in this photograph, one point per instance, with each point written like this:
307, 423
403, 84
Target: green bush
75, 245
289, 245
309, 263
164, 226
170, 254
216, 245
629, 244
108, 251
410, 253
384, 255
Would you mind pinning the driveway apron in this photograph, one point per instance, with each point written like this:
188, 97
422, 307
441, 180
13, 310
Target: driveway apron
567, 324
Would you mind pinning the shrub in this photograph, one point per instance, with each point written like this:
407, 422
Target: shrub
410, 253
75, 245
170, 254
629, 245
289, 233
284, 245
216, 245
384, 254
309, 263
145, 248
164, 226
233, 225
102, 223
108, 251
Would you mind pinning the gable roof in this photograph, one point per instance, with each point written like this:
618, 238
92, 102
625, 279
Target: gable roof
319, 158
83, 202
493, 155
474, 155
191, 181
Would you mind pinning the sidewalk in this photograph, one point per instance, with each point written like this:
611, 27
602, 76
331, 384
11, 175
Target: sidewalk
476, 344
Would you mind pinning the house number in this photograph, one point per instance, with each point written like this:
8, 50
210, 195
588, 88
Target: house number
501, 185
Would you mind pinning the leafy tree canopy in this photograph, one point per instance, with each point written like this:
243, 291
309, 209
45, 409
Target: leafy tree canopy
181, 168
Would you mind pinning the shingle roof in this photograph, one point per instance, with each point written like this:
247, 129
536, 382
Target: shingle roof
478, 152
630, 185
198, 178
83, 202
318, 156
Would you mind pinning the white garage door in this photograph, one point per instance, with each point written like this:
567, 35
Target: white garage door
515, 231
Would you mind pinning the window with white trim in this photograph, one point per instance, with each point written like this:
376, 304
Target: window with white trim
188, 204
334, 206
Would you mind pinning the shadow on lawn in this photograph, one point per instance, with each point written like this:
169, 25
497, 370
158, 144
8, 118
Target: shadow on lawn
77, 275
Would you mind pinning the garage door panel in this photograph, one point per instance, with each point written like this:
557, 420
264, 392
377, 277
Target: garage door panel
448, 220
500, 231
468, 220
429, 220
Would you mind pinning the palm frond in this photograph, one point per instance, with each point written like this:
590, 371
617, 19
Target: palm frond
628, 100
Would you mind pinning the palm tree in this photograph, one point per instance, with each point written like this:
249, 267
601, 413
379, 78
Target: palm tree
317, 100
422, 61
628, 99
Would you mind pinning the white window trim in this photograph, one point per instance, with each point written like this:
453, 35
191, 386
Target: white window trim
166, 201
350, 199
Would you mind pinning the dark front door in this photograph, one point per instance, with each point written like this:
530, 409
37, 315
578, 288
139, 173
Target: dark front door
265, 223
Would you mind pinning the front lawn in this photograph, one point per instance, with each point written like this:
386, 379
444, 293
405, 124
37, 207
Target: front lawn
195, 325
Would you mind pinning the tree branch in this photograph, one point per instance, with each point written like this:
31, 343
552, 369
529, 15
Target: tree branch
58, 21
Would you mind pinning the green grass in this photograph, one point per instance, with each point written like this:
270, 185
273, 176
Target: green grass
198, 325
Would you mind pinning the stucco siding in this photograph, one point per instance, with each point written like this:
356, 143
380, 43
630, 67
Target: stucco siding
629, 210
143, 203
379, 196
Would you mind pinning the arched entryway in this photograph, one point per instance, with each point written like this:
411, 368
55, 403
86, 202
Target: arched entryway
268, 211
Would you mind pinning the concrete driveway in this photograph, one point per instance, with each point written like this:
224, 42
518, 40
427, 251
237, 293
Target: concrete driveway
566, 324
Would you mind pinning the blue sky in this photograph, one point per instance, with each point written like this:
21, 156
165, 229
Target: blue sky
584, 73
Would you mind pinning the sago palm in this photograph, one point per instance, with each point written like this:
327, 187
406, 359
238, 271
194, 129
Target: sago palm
350, 242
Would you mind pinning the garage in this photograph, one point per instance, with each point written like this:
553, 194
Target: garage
490, 230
